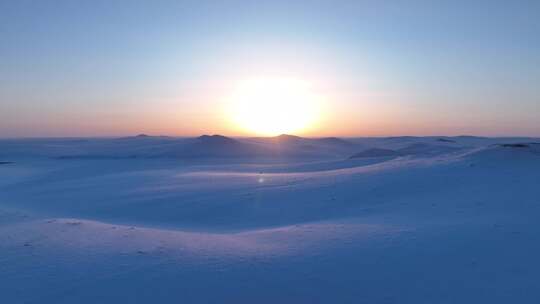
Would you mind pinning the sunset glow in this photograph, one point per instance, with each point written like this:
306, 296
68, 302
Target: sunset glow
272, 106
269, 151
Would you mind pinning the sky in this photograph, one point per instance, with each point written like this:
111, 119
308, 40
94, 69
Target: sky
378, 68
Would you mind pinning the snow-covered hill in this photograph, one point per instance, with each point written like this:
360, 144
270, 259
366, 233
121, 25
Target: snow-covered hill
201, 220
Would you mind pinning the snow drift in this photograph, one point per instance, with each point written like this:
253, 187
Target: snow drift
436, 222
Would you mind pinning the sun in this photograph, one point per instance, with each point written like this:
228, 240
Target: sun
273, 106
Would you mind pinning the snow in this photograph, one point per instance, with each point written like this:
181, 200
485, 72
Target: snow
452, 221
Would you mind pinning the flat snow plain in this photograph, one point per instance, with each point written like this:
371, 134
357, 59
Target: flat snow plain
279, 220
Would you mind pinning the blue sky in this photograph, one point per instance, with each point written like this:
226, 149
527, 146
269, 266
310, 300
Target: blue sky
70, 68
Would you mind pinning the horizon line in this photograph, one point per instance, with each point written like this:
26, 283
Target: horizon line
254, 136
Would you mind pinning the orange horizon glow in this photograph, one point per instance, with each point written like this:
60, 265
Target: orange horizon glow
209, 108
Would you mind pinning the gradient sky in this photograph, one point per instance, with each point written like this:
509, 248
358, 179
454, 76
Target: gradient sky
85, 68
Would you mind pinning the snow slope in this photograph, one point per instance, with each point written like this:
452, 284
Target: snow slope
456, 225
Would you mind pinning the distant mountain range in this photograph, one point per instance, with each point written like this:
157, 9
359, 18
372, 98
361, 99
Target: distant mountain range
219, 146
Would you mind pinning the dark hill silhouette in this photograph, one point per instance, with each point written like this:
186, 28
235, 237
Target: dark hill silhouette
219, 146
216, 140
442, 139
286, 138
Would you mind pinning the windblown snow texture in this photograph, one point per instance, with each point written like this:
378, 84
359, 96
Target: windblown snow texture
270, 220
